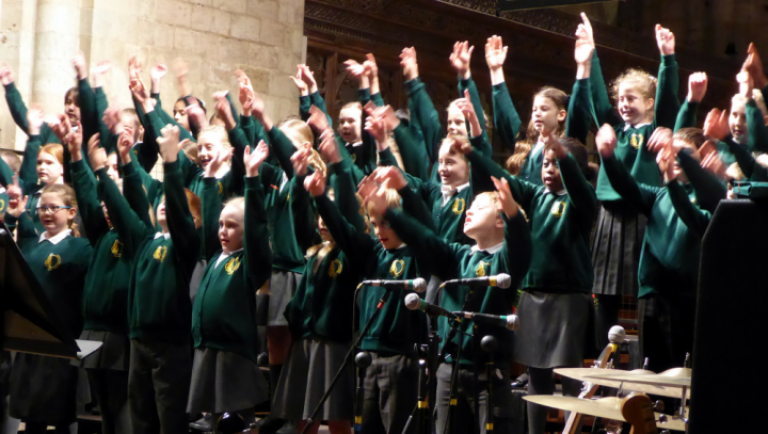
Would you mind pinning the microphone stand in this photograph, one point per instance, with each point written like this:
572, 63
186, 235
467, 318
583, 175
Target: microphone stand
363, 361
348, 357
489, 344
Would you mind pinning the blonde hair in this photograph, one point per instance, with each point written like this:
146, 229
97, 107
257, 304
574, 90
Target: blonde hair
488, 124
456, 139
299, 133
645, 83
67, 195
393, 201
321, 250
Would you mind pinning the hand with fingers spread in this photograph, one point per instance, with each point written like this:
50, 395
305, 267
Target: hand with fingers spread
246, 93
6, 74
60, 125
317, 120
182, 73
661, 137
409, 63
300, 161
156, 74
716, 124
300, 84
605, 140
98, 72
309, 78
390, 177
35, 120
315, 183
754, 65
665, 40
495, 55
97, 156
376, 201
78, 61
253, 159
219, 159
697, 86
328, 148
506, 203
366, 186
466, 107
357, 72
461, 58
169, 143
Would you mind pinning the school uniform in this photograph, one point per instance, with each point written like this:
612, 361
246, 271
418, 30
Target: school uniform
669, 264
225, 376
454, 260
159, 311
105, 303
43, 389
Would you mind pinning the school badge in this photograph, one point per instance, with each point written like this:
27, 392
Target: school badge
558, 208
636, 141
52, 262
480, 271
458, 206
232, 265
335, 268
160, 253
117, 248
397, 268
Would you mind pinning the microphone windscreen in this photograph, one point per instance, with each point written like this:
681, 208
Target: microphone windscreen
512, 322
503, 281
616, 335
412, 301
419, 284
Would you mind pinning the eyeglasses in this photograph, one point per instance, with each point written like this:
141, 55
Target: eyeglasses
51, 209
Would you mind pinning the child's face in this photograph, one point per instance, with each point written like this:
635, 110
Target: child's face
208, 149
545, 115
231, 228
112, 167
323, 230
349, 125
131, 120
387, 237
482, 217
180, 115
49, 170
54, 221
457, 123
550, 172
161, 220
634, 108
71, 109
737, 121
453, 168
676, 169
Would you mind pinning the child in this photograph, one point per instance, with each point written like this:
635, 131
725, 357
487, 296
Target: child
642, 106
43, 389
391, 380
7, 172
503, 245
225, 376
159, 310
555, 302
669, 263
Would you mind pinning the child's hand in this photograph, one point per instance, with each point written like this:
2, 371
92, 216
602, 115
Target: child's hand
74, 141
300, 161
371, 68
660, 139
697, 86
746, 84
387, 114
60, 126
138, 90
111, 119
355, 69
378, 130
666, 40
303, 88
169, 143
754, 65
409, 63
6, 74
317, 120
366, 186
124, 145
390, 177
134, 67
13, 189
586, 25
35, 118
158, 72
328, 148
716, 124
495, 52
309, 78
16, 207
466, 107
97, 156
253, 159
584, 45
461, 57
98, 71
217, 161
315, 184
79, 63
714, 165
221, 106
459, 148
182, 71
665, 159
376, 201
606, 141
506, 203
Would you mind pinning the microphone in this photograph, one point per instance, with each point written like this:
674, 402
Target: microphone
616, 335
414, 302
418, 284
509, 321
500, 280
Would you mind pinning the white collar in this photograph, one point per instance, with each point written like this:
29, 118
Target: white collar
356, 144
450, 191
167, 235
490, 250
2, 189
224, 255
56, 239
559, 193
223, 170
628, 126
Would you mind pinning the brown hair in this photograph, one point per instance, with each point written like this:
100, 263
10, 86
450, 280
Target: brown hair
73, 93
11, 159
645, 82
194, 205
456, 139
523, 149
54, 149
693, 136
67, 195
354, 104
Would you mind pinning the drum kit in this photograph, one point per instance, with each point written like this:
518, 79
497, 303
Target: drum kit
637, 407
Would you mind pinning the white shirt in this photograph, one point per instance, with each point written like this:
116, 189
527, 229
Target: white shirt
628, 126
167, 235
355, 145
2, 189
448, 192
536, 149
490, 250
56, 239
225, 255
559, 193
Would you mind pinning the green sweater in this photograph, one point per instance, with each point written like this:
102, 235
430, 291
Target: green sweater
561, 225
396, 329
286, 254
757, 142
454, 261
224, 314
506, 121
19, 114
631, 149
59, 268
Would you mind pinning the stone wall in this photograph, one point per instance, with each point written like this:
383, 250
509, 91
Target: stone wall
215, 37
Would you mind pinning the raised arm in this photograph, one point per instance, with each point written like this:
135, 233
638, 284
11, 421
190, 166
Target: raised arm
424, 117
601, 102
695, 218
667, 103
580, 192
342, 181
460, 61
430, 250
256, 249
689, 110
506, 121
518, 247
579, 117
88, 205
522, 191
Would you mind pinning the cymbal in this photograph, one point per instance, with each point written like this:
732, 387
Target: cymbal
615, 378
676, 378
607, 408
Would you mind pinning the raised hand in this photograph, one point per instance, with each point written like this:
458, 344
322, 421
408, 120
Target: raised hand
716, 124
697, 86
754, 65
377, 128
300, 84
495, 52
74, 141
97, 156
328, 148
169, 143
605, 140
746, 84
111, 119
711, 159
158, 72
461, 57
246, 93
60, 125
17, 206
584, 45
389, 177
317, 120
665, 40
182, 72
300, 161
366, 186
212, 168
409, 63
466, 107
660, 139
315, 183
35, 118
253, 159
372, 69
6, 74
134, 67
124, 144
78, 61
98, 71
309, 78
138, 90
665, 160
355, 69
506, 203
586, 25
223, 108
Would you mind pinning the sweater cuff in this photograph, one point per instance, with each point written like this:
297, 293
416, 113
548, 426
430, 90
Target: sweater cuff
412, 86
251, 182
668, 60
500, 87
101, 173
172, 167
77, 166
10, 87
128, 169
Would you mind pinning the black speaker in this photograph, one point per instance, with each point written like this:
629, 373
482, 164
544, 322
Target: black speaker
728, 374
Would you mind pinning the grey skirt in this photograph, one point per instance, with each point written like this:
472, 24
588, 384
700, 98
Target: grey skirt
282, 286
43, 389
114, 354
307, 373
616, 245
553, 329
225, 381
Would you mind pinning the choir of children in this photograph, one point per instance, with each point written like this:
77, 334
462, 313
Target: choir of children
167, 274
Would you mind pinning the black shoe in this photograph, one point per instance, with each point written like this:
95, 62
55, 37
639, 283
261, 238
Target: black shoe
203, 424
288, 428
520, 382
270, 425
